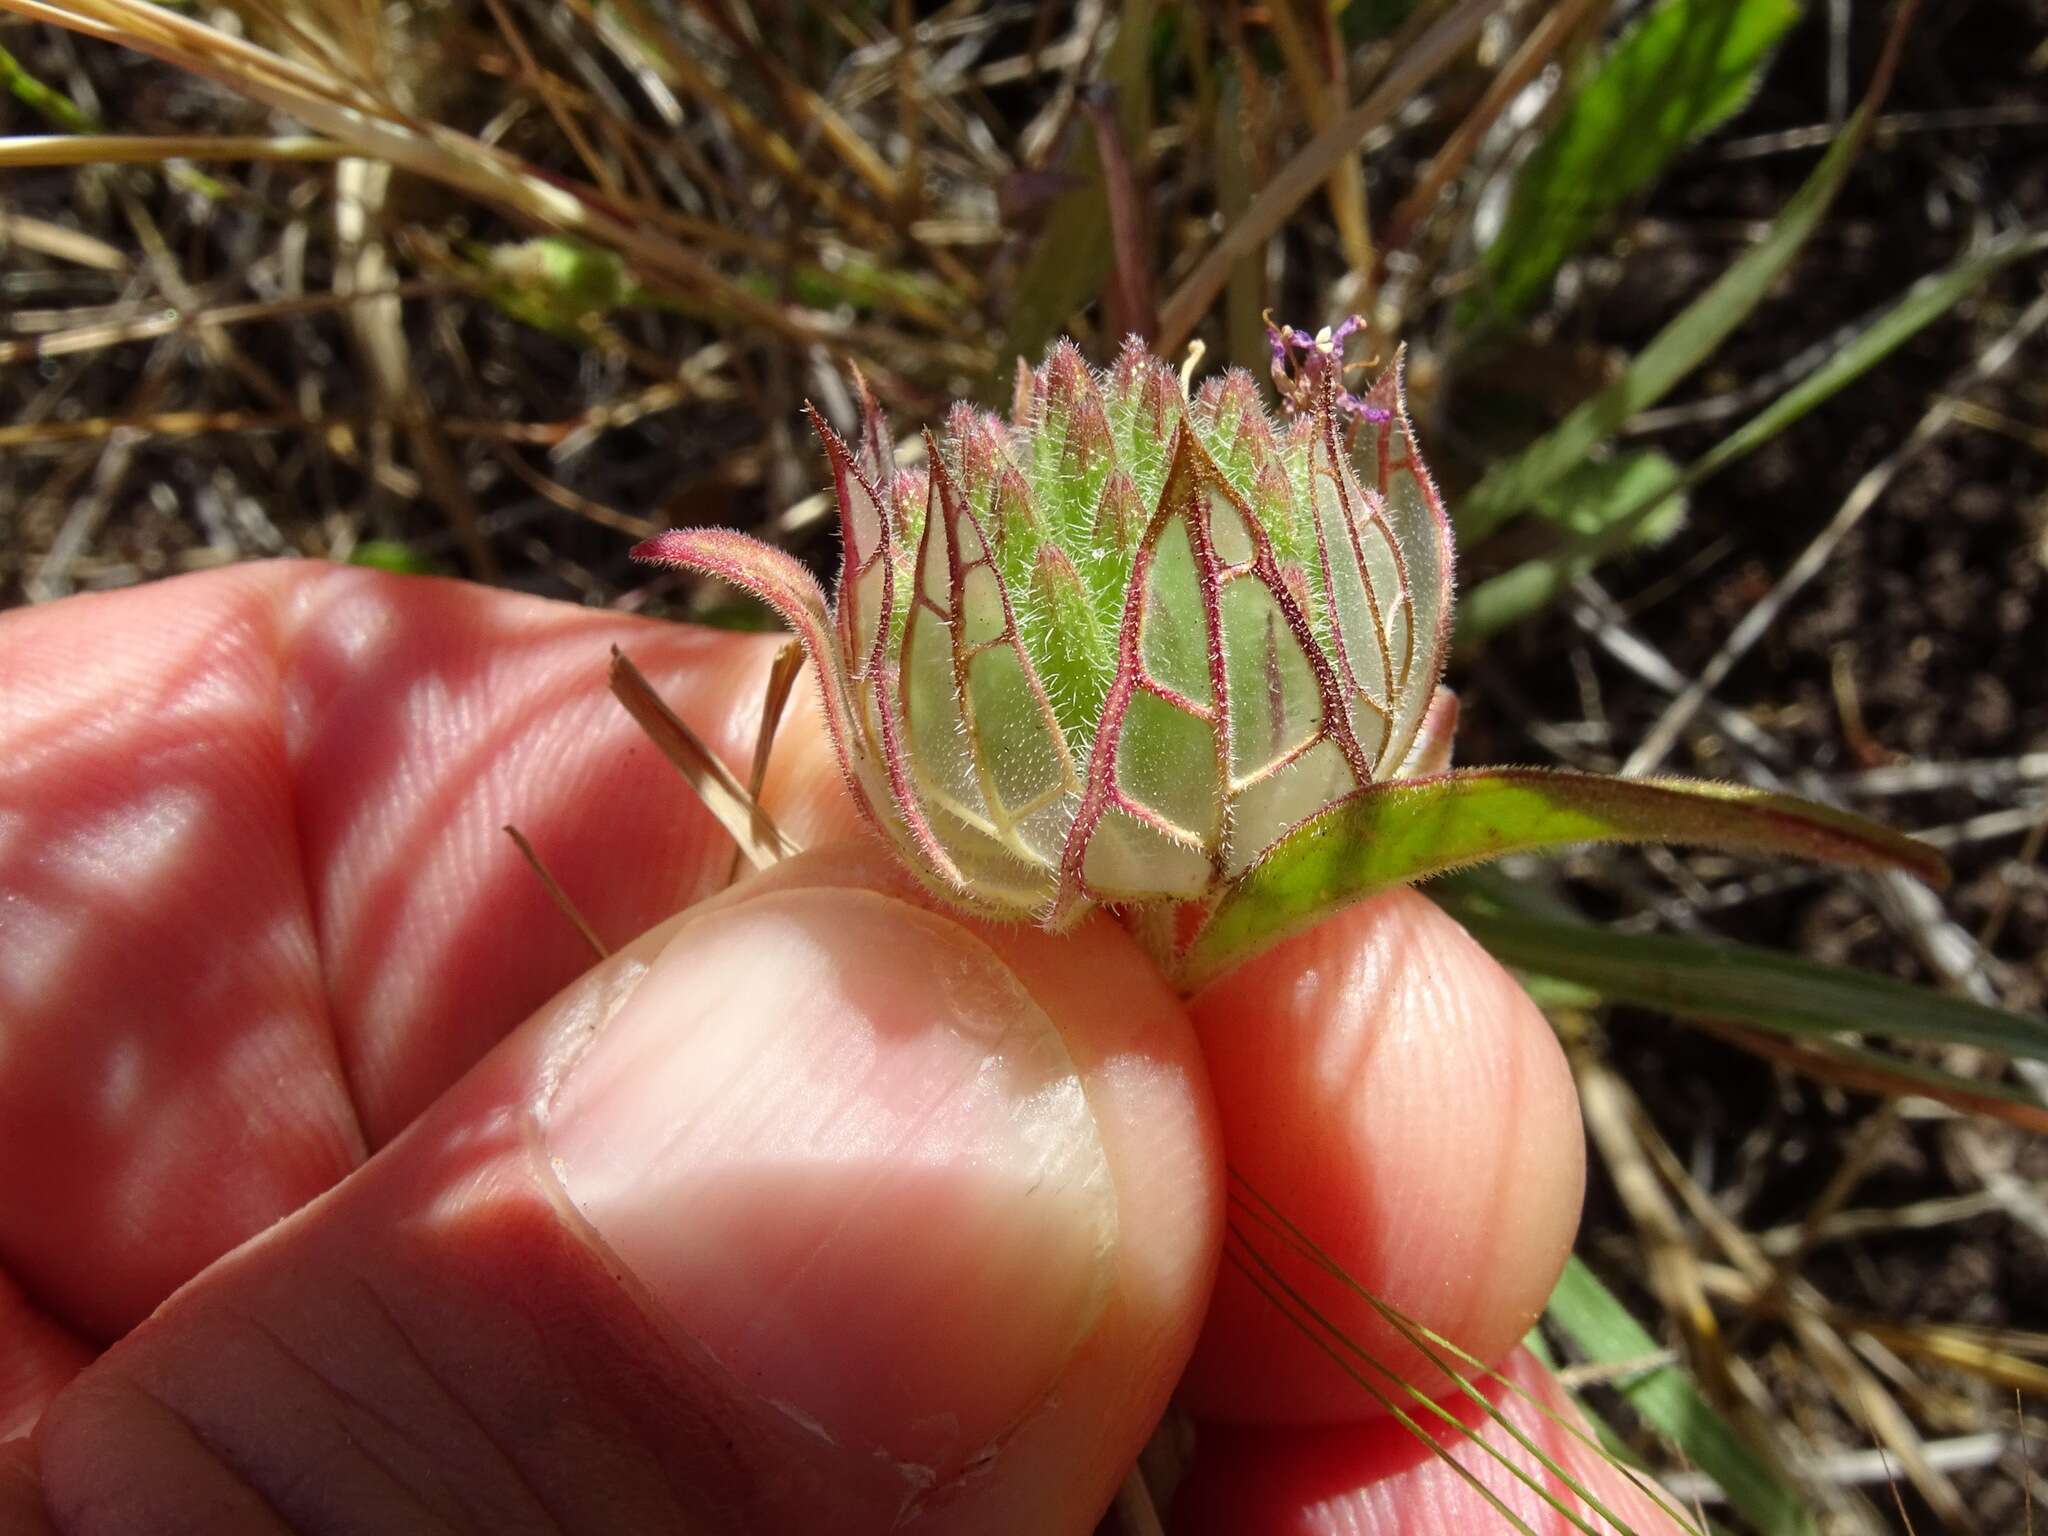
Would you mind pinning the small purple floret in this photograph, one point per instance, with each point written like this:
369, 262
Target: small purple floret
1301, 362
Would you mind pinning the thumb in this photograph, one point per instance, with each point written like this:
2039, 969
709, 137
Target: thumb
813, 1209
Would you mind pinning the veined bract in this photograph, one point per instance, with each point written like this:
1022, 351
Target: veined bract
1113, 649
1130, 648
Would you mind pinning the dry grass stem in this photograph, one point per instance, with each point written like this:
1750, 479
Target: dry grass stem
775, 692
556, 894
723, 795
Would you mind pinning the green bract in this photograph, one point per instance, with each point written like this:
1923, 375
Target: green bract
1165, 653
1112, 649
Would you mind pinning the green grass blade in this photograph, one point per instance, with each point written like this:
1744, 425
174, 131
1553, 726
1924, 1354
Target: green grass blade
1516, 594
1601, 492
394, 555
1682, 345
1405, 830
1746, 984
1678, 72
1920, 306
45, 100
1889, 1075
1601, 1329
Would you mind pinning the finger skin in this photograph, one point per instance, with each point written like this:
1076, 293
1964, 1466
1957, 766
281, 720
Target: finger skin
1398, 1098
445, 1336
1382, 1478
37, 1357
145, 839
1157, 1122
260, 906
431, 939
21, 1496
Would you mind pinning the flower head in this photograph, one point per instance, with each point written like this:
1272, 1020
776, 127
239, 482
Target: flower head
1112, 649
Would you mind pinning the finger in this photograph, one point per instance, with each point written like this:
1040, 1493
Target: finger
1380, 1476
1397, 1097
36, 1359
260, 909
813, 1210
21, 1500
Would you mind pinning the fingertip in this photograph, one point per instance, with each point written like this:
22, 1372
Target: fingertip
37, 1359
1399, 1100
809, 1086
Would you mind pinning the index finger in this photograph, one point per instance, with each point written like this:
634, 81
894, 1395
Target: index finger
260, 907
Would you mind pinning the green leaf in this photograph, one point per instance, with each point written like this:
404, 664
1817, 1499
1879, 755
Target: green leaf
1674, 75
863, 284
1515, 594
391, 555
1671, 355
555, 283
1637, 498
1603, 1332
1409, 829
1738, 982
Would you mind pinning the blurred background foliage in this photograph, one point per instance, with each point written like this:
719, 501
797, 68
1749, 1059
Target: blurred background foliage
1723, 325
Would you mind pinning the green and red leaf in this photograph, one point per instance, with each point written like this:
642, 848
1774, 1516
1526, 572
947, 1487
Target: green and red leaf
1405, 830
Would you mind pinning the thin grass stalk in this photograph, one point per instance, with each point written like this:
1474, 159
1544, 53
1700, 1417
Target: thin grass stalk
1297, 1309
1441, 1352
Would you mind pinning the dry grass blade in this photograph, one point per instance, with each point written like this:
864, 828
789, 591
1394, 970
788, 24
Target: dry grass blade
1673, 1268
1258, 1270
782, 675
1323, 96
1866, 493
1550, 32
682, 69
57, 241
375, 131
555, 892
154, 149
1867, 1074
1862, 1394
51, 435
1999, 1356
1311, 167
723, 795
87, 338
1135, 1508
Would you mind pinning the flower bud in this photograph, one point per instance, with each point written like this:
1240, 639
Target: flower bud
1113, 651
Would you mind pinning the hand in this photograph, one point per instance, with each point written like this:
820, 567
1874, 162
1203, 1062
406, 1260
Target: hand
338, 1193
